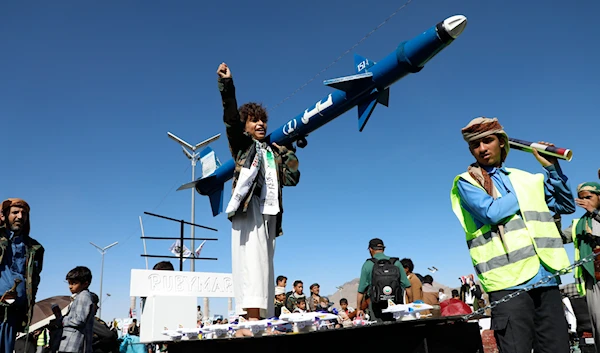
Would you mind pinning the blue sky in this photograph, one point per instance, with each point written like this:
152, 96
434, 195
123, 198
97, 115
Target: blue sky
89, 90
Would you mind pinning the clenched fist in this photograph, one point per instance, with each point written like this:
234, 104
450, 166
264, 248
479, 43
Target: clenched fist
223, 71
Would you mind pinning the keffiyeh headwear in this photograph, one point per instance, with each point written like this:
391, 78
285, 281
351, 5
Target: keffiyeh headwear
15, 202
476, 129
591, 186
481, 127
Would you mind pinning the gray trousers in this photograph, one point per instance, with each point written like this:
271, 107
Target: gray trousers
592, 294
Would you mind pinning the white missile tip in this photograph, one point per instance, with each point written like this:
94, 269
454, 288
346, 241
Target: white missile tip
455, 25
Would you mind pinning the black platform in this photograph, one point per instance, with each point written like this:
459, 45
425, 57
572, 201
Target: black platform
447, 335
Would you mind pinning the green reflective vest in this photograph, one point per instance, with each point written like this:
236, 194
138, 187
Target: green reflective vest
530, 236
579, 270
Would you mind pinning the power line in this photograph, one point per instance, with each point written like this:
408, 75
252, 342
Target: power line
343, 54
298, 90
160, 203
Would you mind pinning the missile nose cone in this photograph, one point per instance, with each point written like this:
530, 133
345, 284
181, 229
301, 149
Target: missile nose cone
455, 25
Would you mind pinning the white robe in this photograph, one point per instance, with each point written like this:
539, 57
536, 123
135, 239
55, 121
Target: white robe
252, 251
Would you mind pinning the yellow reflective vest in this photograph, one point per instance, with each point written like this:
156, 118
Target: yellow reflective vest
43, 339
530, 236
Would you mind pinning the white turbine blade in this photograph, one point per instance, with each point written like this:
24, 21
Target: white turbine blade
206, 142
180, 141
111, 245
187, 154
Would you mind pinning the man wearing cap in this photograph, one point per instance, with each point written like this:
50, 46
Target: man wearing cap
584, 233
376, 249
513, 239
313, 301
21, 259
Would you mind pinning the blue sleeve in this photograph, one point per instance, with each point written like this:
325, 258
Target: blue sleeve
557, 189
483, 207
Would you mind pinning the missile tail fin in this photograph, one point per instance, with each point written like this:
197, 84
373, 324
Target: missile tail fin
189, 185
360, 79
362, 64
384, 97
203, 186
209, 161
364, 112
216, 200
350, 83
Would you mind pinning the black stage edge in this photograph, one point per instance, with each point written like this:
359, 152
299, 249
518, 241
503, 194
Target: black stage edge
418, 336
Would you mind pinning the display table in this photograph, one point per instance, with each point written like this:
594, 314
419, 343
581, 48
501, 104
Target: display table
448, 335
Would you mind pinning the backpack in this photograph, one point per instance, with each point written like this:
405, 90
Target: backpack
385, 281
104, 339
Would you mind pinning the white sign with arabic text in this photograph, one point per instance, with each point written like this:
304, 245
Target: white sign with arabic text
145, 283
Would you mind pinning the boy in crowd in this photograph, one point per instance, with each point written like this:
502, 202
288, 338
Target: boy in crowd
300, 306
279, 300
77, 326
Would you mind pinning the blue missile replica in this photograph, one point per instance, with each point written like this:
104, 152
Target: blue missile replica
365, 89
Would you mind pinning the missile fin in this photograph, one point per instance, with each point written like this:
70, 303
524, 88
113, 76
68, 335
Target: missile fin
216, 200
349, 83
384, 97
364, 112
209, 161
362, 64
189, 185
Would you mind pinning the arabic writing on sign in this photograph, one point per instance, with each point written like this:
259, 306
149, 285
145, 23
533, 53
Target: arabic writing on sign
200, 284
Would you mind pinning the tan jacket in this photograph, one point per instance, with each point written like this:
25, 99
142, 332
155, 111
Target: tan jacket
415, 291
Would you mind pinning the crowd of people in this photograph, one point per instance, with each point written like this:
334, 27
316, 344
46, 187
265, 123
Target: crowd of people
511, 219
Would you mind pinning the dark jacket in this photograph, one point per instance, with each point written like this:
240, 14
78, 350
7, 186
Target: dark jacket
33, 268
241, 146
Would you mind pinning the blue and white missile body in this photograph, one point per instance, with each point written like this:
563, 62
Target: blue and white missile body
365, 89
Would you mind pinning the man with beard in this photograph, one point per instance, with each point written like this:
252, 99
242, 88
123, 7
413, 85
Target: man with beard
21, 259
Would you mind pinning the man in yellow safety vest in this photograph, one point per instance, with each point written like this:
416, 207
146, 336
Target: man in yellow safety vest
513, 240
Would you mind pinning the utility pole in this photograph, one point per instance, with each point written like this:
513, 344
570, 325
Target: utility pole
102, 251
193, 156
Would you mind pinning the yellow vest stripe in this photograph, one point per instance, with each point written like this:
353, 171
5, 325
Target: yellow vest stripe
505, 260
550, 243
530, 237
538, 216
516, 224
